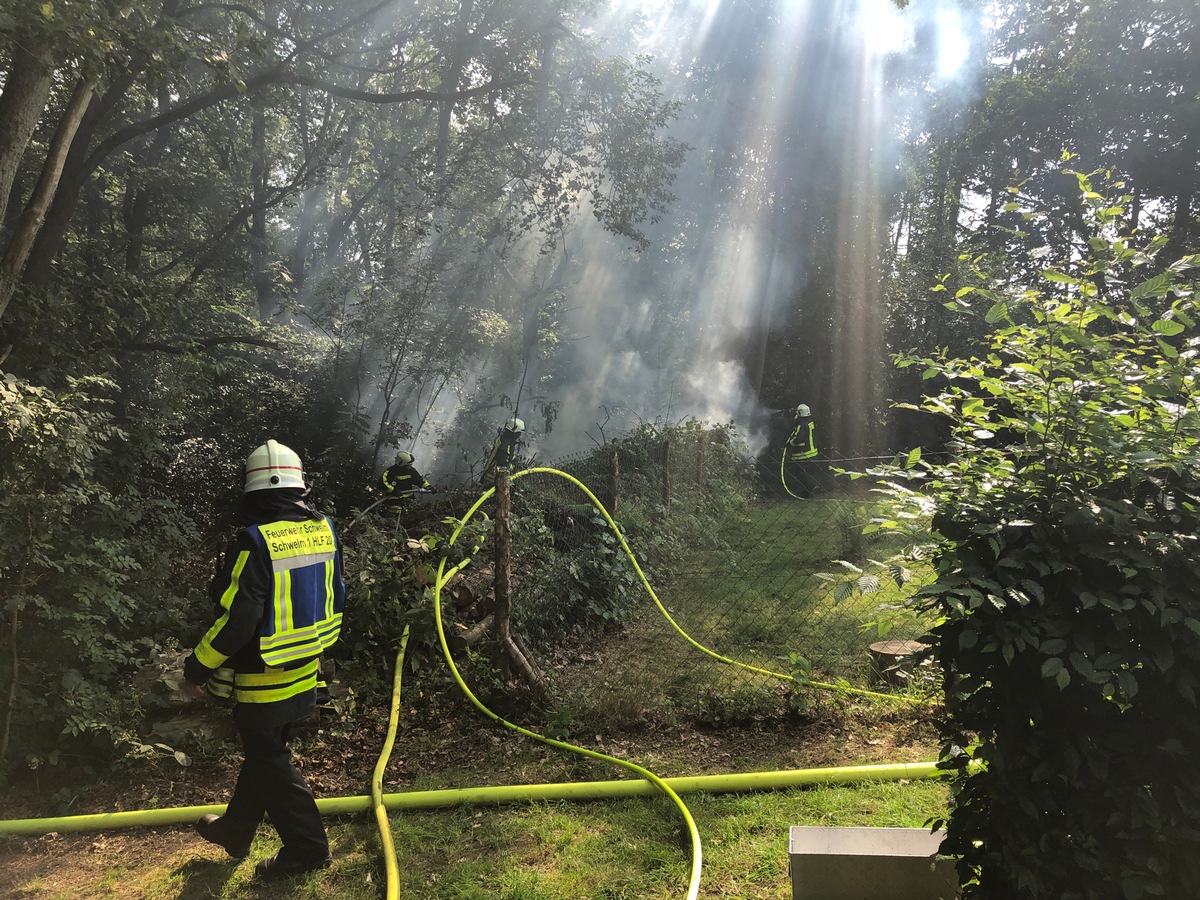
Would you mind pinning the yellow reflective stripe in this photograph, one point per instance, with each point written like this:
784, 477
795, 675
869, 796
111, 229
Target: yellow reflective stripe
329, 567
220, 683
283, 601
293, 546
205, 654
274, 684
301, 643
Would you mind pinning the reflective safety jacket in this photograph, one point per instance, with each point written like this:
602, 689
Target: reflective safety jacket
279, 595
401, 480
504, 450
802, 444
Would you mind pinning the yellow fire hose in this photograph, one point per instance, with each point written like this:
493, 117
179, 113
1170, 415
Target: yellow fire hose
736, 783
381, 818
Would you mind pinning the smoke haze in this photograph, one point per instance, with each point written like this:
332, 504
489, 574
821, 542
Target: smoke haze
796, 114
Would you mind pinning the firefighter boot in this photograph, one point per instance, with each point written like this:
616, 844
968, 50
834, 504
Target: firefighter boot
216, 830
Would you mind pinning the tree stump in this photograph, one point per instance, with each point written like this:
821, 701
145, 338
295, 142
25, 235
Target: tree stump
893, 662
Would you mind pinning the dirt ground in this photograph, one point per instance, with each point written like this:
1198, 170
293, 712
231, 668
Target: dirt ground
338, 760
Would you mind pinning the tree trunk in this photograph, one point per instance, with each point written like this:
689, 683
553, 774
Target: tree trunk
26, 90
11, 703
137, 200
258, 218
503, 561
26, 230
49, 241
30, 223
454, 72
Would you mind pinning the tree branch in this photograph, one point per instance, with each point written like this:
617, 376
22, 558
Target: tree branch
349, 93
192, 345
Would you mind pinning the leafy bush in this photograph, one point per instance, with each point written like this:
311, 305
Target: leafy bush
389, 586
1066, 573
89, 569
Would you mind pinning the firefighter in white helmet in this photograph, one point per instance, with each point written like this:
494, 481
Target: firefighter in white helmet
278, 596
504, 448
801, 444
401, 479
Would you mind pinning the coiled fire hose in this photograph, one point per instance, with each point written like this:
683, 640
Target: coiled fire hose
444, 575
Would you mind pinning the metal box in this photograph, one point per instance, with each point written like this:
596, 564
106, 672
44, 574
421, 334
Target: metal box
874, 863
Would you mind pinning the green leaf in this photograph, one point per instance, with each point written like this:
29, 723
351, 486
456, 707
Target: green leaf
1128, 683
1152, 287
1080, 664
1051, 667
869, 584
1167, 327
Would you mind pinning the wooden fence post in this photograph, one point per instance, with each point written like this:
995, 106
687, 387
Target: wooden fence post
503, 560
613, 485
666, 477
510, 645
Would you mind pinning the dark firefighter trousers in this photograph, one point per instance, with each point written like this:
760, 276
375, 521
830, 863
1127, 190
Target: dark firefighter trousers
269, 783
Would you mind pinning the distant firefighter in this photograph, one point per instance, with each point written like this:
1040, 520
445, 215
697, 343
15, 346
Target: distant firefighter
504, 448
801, 448
802, 444
402, 480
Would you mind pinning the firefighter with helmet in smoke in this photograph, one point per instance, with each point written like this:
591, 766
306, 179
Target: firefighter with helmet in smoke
401, 479
504, 448
801, 444
278, 595
801, 450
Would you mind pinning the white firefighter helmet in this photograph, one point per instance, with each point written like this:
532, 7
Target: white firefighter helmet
404, 458
515, 425
803, 411
273, 466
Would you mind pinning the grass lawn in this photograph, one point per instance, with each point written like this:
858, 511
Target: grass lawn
634, 848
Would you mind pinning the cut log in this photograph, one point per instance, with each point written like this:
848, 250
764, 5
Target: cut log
893, 662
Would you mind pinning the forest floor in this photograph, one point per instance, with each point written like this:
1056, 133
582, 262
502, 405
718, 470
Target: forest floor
453, 749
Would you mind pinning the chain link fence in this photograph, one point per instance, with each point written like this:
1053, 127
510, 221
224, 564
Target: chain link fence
761, 562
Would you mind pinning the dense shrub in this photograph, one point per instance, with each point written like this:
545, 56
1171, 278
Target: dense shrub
90, 573
1066, 574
